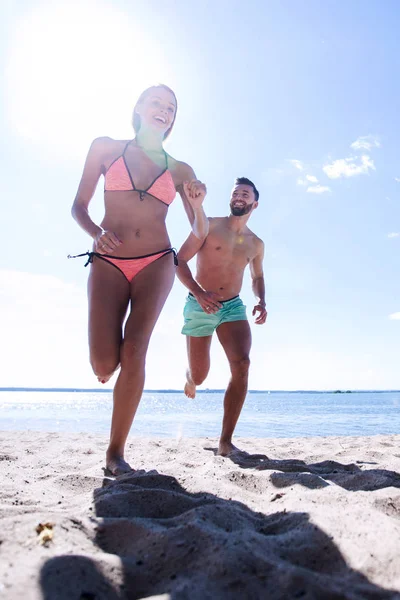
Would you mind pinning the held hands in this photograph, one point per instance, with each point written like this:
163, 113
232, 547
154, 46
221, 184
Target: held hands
260, 307
106, 242
208, 301
195, 192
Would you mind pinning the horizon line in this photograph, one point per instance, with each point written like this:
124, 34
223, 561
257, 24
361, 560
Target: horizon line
180, 391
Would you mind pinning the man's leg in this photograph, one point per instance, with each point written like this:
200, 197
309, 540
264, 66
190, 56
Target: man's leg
235, 338
198, 351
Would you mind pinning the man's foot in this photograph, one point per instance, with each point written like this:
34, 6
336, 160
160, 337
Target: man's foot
116, 465
227, 448
190, 387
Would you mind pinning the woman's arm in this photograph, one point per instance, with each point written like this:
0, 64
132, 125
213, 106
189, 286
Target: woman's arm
193, 193
93, 169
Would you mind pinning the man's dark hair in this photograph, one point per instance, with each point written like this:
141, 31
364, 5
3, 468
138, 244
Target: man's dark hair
245, 181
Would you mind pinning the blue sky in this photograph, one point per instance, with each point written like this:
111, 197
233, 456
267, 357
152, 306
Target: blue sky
300, 96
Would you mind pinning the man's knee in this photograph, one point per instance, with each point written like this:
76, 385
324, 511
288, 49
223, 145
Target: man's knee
198, 377
240, 367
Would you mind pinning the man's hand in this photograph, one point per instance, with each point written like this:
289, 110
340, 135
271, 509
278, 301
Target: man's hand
208, 301
260, 307
195, 192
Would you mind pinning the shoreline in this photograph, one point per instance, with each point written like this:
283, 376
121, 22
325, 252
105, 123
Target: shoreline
199, 390
315, 515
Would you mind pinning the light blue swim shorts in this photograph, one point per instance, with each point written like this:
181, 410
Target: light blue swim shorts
199, 324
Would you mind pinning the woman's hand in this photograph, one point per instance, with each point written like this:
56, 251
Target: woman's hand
106, 242
209, 301
195, 192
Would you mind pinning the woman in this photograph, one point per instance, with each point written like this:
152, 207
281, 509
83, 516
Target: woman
132, 260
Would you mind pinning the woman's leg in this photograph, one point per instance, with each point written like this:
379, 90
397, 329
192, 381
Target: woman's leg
109, 295
149, 291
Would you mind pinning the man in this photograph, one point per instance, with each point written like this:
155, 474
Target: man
214, 303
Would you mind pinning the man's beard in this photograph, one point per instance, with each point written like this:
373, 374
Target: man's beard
240, 212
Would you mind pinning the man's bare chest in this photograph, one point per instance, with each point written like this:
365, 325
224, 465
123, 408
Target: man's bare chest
220, 246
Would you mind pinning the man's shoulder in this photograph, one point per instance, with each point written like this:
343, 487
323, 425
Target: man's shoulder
216, 230
217, 219
257, 241
216, 222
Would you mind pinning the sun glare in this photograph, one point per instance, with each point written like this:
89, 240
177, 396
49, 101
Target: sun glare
75, 71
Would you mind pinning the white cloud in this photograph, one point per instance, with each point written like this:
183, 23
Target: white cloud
395, 316
311, 178
318, 189
366, 142
397, 179
308, 179
394, 234
347, 167
298, 164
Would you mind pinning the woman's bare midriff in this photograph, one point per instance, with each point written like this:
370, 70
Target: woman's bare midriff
139, 224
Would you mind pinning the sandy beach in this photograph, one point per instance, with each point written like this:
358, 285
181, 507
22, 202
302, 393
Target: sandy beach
307, 518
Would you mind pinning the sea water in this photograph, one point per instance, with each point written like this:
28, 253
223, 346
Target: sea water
171, 414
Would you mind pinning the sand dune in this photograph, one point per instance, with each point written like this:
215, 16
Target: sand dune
296, 518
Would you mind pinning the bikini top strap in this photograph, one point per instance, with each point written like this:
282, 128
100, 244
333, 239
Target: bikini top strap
123, 154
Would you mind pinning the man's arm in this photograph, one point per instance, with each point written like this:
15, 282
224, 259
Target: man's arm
207, 300
188, 250
257, 275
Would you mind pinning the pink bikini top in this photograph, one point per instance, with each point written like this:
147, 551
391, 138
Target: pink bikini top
118, 178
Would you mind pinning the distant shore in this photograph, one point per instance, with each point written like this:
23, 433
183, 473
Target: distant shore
202, 391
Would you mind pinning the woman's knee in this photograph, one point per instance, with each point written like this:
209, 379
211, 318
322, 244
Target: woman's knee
133, 353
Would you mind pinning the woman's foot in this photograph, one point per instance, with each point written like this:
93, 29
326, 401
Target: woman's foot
107, 377
116, 465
